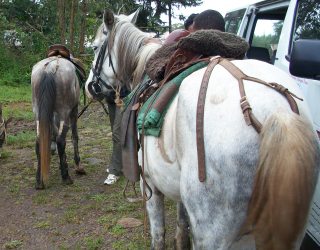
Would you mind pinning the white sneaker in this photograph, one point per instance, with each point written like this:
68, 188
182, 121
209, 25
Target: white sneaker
111, 179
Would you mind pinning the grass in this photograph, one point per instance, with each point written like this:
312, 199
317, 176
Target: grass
118, 230
5, 154
16, 93
13, 244
93, 243
41, 198
22, 139
42, 224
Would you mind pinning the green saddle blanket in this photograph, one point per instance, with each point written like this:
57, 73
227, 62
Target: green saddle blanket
153, 111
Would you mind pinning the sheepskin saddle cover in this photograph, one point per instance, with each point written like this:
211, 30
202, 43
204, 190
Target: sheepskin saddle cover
204, 42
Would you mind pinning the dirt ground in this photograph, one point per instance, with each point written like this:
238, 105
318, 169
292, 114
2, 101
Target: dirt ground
85, 215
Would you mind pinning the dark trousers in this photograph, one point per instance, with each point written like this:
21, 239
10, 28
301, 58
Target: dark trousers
115, 116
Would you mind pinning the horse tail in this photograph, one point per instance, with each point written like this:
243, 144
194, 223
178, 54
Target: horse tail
284, 183
46, 97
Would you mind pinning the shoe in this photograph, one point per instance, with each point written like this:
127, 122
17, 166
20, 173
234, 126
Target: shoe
111, 179
107, 170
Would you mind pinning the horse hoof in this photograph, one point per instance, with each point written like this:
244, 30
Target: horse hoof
80, 171
67, 181
39, 186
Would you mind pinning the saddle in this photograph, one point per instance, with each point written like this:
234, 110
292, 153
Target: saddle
63, 51
58, 50
167, 63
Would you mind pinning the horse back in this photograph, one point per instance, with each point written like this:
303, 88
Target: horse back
65, 80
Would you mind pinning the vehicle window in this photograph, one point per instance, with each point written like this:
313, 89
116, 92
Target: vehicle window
307, 24
233, 20
266, 35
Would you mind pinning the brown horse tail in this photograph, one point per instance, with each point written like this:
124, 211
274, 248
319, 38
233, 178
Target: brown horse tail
46, 97
285, 181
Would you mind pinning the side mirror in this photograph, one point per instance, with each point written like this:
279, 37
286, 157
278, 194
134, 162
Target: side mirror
305, 59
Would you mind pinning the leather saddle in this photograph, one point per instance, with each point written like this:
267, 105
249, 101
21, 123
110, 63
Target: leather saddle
63, 51
58, 49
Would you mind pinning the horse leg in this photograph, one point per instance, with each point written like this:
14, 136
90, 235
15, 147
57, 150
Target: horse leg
55, 124
39, 182
182, 239
155, 208
61, 145
75, 139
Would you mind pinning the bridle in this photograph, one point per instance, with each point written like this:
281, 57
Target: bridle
95, 86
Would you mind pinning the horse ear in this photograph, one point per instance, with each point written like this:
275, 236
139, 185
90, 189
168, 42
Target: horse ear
108, 18
134, 16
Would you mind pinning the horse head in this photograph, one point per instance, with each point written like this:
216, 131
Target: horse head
117, 47
105, 74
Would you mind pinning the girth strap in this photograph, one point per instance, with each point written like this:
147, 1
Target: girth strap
244, 104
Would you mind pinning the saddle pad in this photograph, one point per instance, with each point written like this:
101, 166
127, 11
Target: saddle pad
153, 111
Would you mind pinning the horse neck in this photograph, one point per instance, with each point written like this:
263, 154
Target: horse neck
143, 58
132, 53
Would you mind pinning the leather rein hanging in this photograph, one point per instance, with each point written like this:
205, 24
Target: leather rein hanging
249, 117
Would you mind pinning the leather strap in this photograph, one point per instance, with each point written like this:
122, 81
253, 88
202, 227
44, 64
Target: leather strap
200, 117
244, 104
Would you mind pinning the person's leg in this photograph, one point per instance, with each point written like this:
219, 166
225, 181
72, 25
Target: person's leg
115, 167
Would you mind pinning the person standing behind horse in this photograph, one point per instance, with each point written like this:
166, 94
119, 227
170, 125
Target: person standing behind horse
208, 19
114, 169
189, 22
165, 57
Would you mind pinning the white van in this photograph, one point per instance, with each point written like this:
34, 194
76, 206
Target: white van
287, 34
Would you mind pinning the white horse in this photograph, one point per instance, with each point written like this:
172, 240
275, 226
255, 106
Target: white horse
260, 184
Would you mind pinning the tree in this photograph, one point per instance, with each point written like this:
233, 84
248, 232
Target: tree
62, 20
153, 9
74, 5
308, 24
84, 9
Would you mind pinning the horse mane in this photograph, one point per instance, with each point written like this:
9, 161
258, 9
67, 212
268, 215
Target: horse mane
132, 52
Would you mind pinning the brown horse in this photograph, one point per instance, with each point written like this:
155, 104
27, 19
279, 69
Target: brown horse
2, 128
55, 99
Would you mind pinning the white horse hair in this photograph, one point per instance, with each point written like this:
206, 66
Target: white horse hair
260, 184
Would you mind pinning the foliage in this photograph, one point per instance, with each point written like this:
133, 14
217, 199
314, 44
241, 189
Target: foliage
15, 66
28, 28
308, 24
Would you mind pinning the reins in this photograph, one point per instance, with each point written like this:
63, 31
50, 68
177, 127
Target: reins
91, 101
